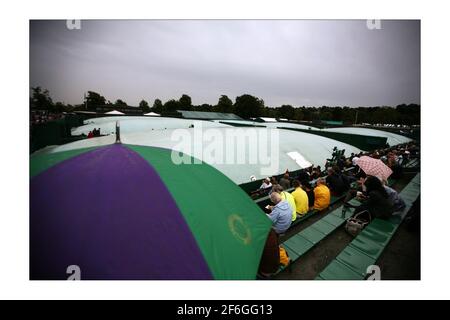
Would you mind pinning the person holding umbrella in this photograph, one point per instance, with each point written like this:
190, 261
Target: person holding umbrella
376, 199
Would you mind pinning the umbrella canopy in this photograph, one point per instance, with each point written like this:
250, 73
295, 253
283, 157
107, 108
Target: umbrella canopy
128, 212
374, 167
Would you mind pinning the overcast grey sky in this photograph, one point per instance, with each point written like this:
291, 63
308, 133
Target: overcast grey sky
297, 62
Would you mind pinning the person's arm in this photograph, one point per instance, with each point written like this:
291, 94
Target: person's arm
273, 215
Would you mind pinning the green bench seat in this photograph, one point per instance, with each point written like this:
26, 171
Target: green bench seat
367, 247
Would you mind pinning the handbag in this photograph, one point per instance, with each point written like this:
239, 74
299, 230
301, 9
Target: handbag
357, 223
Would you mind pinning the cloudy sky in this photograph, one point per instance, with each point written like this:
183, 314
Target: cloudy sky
297, 62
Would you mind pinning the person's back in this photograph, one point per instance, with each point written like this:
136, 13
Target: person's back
377, 201
303, 175
311, 197
290, 200
281, 216
378, 205
396, 200
285, 183
322, 197
301, 200
336, 184
306, 186
270, 259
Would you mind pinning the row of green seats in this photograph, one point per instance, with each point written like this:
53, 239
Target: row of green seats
302, 242
353, 262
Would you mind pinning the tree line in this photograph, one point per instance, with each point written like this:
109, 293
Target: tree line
245, 106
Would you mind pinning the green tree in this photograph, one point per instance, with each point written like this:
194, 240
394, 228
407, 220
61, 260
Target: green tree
157, 106
205, 107
248, 106
171, 106
143, 105
298, 114
40, 99
59, 107
185, 102
120, 103
225, 104
94, 100
286, 111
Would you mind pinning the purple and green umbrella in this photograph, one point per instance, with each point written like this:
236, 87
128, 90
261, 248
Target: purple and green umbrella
128, 212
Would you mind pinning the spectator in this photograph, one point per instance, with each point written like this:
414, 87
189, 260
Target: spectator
336, 182
288, 197
285, 182
300, 198
266, 184
377, 200
270, 260
341, 163
303, 175
316, 173
322, 195
394, 197
273, 181
90, 135
281, 214
309, 192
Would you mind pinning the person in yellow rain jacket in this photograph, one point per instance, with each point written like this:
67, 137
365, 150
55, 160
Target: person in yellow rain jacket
300, 198
322, 195
288, 197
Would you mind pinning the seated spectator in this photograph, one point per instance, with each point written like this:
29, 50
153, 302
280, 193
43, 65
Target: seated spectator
281, 213
309, 192
377, 200
90, 135
316, 173
285, 182
273, 181
266, 184
397, 171
322, 195
300, 198
394, 197
270, 259
288, 197
303, 175
336, 182
341, 163
357, 186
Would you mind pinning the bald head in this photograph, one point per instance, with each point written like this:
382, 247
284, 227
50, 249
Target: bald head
277, 188
275, 197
